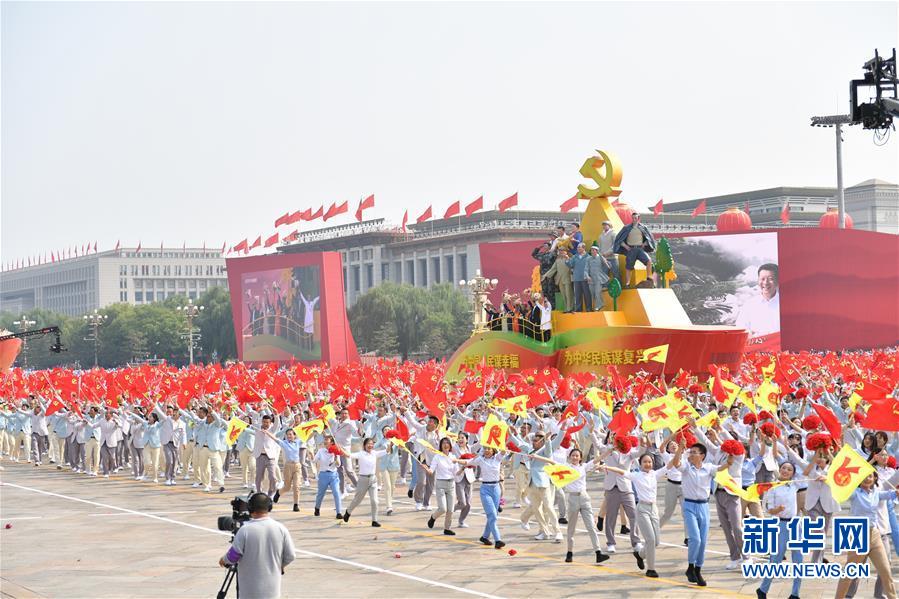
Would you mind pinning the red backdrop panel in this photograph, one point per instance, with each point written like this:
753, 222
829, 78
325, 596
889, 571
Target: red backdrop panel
337, 344
839, 288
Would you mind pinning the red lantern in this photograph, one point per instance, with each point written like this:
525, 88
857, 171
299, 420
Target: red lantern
624, 213
831, 219
733, 219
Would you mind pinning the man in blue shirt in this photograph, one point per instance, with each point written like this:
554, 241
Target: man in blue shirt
583, 299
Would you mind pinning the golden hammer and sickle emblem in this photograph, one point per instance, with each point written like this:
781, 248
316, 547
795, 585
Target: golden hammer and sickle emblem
607, 181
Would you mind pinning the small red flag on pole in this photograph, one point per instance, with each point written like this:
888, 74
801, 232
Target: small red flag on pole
658, 208
700, 209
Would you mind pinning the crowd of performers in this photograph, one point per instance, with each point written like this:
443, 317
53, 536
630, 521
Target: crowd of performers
387, 438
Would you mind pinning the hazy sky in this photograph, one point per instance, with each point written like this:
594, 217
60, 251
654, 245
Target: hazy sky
206, 121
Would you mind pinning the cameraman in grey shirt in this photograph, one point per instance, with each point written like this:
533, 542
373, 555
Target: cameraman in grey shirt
262, 548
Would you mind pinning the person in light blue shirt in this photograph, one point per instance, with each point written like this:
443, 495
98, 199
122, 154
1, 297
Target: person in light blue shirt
246, 443
290, 445
583, 297
539, 490
782, 502
152, 443
60, 432
865, 503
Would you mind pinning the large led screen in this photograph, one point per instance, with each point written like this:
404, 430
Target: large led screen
731, 280
281, 315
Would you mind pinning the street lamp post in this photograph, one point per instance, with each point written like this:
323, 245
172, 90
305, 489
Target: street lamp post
479, 287
94, 320
191, 311
837, 121
24, 324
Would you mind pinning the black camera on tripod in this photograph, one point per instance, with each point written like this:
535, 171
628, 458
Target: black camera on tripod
240, 513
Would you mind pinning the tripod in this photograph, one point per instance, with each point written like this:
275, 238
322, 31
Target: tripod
226, 584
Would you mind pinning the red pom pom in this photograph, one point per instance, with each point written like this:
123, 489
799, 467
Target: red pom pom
467, 456
694, 388
801, 393
625, 443
688, 437
566, 442
811, 422
8, 526
512, 552
397, 555
770, 429
819, 441
733, 447
586, 405
765, 415
891, 462
333, 449
512, 447
750, 418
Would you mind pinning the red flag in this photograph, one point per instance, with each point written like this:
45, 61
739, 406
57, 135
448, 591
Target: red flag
569, 204
746, 207
271, 240
405, 219
658, 208
718, 390
478, 204
294, 217
453, 210
785, 214
424, 216
54, 406
317, 214
700, 209
117, 243
473, 392
240, 247
883, 415
365, 204
223, 248
617, 381
137, 251
473, 426
282, 220
509, 202
95, 247
402, 430
831, 423
52, 257
256, 243
342, 208
624, 420
330, 212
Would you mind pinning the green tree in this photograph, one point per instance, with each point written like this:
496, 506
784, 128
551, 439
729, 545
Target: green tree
664, 261
614, 291
217, 325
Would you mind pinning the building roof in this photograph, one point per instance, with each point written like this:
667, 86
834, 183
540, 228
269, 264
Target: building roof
873, 183
737, 199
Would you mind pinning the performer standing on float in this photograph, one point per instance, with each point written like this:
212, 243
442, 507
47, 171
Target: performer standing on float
634, 241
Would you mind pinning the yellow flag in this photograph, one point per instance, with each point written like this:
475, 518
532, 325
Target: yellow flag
768, 371
755, 492
427, 445
708, 420
235, 427
659, 354
399, 443
846, 471
327, 412
601, 399
494, 433
746, 398
725, 480
657, 414
516, 405
766, 396
561, 475
733, 390
853, 400
304, 430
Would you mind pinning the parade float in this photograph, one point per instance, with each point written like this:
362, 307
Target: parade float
646, 328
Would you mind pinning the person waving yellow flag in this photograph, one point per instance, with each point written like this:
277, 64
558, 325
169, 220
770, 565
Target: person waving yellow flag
847, 470
235, 427
494, 433
725, 480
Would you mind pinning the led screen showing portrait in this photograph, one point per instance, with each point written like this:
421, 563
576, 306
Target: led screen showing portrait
731, 280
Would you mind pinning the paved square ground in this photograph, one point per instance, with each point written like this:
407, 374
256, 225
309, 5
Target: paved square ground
79, 537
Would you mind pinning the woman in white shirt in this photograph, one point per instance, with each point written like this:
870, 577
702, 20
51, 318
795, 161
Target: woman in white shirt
781, 502
546, 323
491, 464
463, 479
645, 481
443, 467
326, 460
579, 503
368, 463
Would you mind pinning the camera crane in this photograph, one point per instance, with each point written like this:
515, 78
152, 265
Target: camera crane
880, 74
56, 347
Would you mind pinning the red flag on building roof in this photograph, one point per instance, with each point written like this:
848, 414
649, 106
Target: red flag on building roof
509, 202
453, 210
478, 204
700, 209
330, 212
282, 220
342, 208
240, 247
658, 208
317, 214
256, 243
785, 214
271, 240
569, 204
405, 219
365, 204
424, 216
